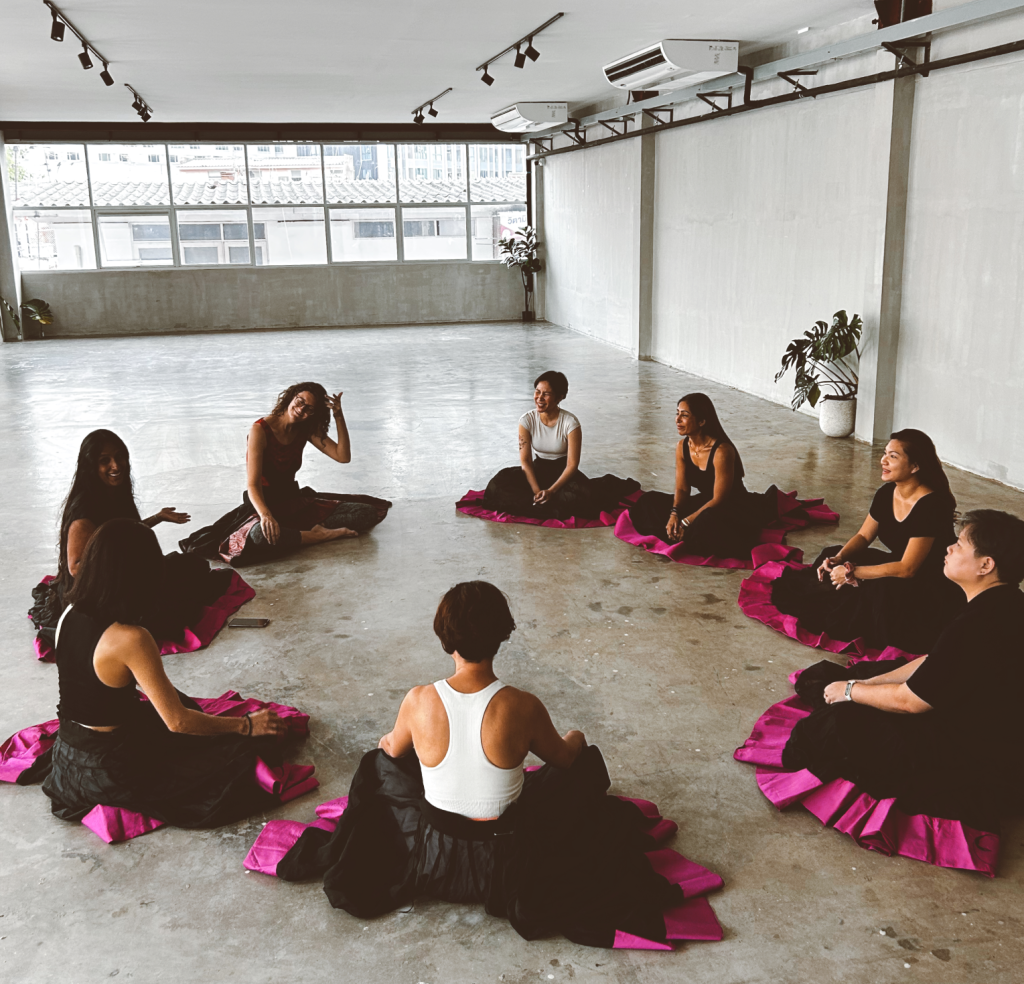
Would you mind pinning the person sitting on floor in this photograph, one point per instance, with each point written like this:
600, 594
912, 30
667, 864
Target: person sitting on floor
276, 516
442, 808
548, 483
939, 732
103, 489
897, 597
711, 512
162, 757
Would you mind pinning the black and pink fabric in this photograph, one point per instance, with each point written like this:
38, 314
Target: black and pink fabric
755, 600
793, 514
470, 505
212, 619
24, 759
875, 824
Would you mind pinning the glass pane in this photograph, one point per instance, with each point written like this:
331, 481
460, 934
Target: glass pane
208, 174
497, 172
134, 239
432, 172
47, 174
434, 233
128, 174
494, 222
54, 240
207, 236
358, 173
363, 234
285, 174
289, 235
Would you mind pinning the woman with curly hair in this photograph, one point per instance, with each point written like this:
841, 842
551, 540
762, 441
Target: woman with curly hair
102, 489
276, 516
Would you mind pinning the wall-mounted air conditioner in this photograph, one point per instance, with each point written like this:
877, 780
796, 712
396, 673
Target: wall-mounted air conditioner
525, 117
674, 64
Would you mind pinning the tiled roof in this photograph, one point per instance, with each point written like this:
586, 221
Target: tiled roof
272, 192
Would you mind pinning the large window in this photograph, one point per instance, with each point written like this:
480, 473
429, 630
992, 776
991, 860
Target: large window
79, 206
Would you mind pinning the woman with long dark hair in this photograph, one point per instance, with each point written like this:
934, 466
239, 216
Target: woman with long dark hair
895, 597
161, 757
711, 511
276, 516
103, 489
547, 483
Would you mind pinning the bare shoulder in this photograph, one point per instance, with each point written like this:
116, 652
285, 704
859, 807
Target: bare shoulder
82, 527
517, 701
726, 452
421, 698
256, 435
125, 638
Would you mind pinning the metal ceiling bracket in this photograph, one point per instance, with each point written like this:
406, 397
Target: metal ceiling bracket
709, 98
545, 143
899, 51
788, 76
618, 133
576, 135
748, 81
653, 114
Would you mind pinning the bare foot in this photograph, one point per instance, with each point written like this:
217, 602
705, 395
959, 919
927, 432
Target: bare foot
321, 534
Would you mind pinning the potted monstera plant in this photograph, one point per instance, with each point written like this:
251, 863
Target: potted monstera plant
826, 360
35, 310
519, 252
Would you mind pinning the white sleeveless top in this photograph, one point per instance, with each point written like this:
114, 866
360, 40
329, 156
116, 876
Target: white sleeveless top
549, 442
465, 781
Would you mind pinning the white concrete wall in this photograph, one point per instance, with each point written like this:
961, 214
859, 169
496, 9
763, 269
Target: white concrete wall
763, 225
110, 302
591, 229
960, 372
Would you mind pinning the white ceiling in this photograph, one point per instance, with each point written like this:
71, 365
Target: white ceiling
342, 61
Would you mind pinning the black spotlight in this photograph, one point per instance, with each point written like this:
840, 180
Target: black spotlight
108, 79
520, 57
531, 52
432, 111
137, 105
145, 114
418, 118
487, 78
57, 30
84, 58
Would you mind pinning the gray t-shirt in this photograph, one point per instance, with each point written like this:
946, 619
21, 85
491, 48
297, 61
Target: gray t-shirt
549, 442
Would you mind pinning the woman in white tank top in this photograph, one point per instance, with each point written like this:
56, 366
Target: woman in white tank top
548, 483
442, 809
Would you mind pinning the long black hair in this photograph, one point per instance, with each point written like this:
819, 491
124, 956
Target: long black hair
121, 573
92, 499
703, 409
920, 449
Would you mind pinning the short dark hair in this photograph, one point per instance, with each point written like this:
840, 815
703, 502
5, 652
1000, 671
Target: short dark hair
121, 576
557, 381
319, 421
999, 535
473, 619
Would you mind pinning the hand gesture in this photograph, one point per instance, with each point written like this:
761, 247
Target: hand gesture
266, 722
826, 567
334, 403
674, 528
544, 495
168, 515
271, 528
835, 692
842, 576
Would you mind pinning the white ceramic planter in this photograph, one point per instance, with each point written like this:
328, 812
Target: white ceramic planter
837, 417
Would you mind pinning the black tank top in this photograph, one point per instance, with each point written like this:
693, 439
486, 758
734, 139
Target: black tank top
704, 481
84, 698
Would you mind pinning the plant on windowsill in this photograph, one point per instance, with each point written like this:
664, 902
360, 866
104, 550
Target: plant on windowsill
827, 356
519, 251
35, 310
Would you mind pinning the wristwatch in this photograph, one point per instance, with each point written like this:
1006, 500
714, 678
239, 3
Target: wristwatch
848, 695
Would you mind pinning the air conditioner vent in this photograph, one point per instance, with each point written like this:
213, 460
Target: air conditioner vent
673, 64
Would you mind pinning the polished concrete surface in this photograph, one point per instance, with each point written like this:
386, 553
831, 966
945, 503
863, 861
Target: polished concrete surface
653, 660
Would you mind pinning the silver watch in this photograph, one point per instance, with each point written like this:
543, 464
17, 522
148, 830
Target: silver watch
848, 695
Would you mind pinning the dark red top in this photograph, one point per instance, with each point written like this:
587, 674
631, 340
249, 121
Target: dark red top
280, 461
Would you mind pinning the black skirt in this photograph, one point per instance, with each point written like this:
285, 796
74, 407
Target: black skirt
916, 759
566, 858
908, 613
509, 492
183, 780
730, 529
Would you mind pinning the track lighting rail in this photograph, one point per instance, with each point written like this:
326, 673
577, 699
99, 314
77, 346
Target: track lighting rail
517, 46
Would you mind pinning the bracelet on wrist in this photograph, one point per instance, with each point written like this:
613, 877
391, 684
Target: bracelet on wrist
686, 522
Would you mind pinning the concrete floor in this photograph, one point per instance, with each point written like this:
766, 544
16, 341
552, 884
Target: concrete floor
654, 661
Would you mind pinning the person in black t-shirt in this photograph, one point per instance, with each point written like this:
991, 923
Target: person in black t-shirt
896, 597
939, 733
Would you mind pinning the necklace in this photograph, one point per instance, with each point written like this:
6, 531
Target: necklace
703, 450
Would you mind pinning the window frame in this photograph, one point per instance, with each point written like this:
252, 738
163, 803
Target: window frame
398, 206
